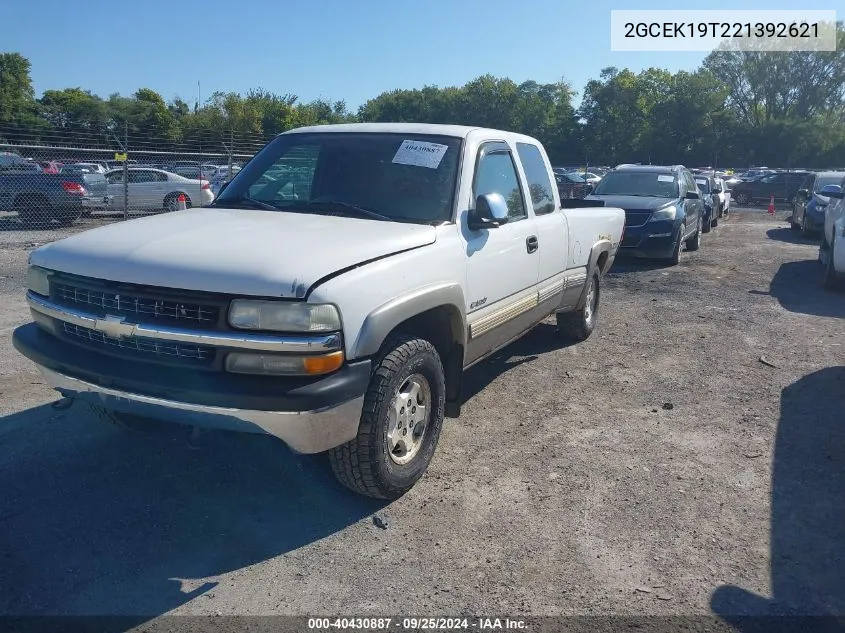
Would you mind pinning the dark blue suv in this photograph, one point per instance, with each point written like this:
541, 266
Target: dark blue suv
663, 209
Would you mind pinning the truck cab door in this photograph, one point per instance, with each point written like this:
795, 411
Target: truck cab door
502, 262
550, 222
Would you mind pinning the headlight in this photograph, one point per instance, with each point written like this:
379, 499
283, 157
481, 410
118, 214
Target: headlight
283, 316
38, 280
667, 213
281, 365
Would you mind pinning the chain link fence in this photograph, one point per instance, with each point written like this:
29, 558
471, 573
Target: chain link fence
54, 180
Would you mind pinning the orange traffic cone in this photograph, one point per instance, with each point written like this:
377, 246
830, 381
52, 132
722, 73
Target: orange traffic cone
181, 203
772, 205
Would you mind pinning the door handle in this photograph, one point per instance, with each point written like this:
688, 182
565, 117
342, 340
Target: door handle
531, 243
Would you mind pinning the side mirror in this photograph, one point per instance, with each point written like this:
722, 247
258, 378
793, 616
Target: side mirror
692, 195
804, 192
490, 212
832, 191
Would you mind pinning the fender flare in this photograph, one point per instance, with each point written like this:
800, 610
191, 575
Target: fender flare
602, 246
384, 319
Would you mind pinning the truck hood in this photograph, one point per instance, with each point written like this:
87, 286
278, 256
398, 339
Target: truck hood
236, 251
634, 202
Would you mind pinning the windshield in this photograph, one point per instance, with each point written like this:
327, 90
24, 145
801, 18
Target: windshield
403, 177
633, 183
823, 181
703, 184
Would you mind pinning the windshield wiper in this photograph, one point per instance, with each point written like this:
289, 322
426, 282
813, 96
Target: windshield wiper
248, 203
346, 206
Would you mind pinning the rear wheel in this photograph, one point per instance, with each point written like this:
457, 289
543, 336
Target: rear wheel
34, 210
578, 325
66, 217
743, 198
400, 424
171, 201
806, 229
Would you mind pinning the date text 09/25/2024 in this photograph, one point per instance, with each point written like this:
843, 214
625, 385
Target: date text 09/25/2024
416, 624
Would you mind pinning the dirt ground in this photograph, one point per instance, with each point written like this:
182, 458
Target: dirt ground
689, 458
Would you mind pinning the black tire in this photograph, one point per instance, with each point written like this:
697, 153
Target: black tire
714, 222
34, 210
171, 201
66, 217
675, 257
694, 243
742, 199
365, 464
831, 279
578, 325
806, 232
706, 226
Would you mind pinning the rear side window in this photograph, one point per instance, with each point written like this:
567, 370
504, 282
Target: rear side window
537, 175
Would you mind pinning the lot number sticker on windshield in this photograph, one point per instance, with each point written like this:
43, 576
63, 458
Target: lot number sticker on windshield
420, 153
665, 179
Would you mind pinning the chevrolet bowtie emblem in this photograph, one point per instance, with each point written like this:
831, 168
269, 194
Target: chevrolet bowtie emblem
114, 326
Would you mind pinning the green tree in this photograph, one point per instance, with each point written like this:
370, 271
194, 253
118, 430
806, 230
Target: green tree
17, 98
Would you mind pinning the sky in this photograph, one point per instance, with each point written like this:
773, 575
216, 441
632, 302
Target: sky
332, 50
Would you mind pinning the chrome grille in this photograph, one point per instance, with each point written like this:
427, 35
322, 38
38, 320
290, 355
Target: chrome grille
141, 308
139, 345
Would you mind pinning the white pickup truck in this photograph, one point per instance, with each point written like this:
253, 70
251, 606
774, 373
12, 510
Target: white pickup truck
331, 296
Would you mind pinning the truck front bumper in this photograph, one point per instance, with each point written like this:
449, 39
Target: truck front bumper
309, 418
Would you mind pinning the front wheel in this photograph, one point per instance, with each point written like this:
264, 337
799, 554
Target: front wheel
400, 424
831, 279
578, 325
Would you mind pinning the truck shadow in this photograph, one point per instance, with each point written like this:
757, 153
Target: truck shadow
797, 286
538, 341
807, 539
102, 520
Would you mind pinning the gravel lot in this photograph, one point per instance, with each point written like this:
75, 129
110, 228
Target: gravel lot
689, 458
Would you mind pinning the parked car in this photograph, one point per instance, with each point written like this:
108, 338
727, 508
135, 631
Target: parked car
157, 190
569, 187
754, 174
40, 198
808, 207
98, 168
50, 166
712, 202
289, 317
834, 211
834, 272
663, 209
221, 176
782, 185
722, 192
10, 161
581, 176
